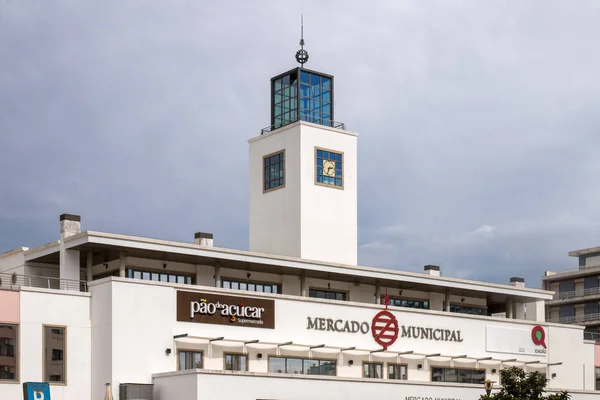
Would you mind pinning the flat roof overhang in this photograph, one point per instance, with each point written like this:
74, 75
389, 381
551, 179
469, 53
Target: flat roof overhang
107, 247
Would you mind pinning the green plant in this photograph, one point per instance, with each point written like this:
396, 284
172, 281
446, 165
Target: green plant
519, 385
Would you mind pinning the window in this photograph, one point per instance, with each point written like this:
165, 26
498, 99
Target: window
228, 283
190, 359
9, 352
372, 370
329, 168
597, 378
285, 100
397, 371
398, 302
236, 362
326, 294
160, 276
302, 366
466, 309
316, 98
274, 171
55, 345
566, 286
457, 375
566, 311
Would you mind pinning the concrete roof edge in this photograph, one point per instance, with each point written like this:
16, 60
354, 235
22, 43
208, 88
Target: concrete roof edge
483, 286
581, 252
14, 251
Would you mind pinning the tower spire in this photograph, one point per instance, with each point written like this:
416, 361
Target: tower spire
302, 55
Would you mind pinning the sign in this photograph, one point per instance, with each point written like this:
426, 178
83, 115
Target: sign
530, 341
385, 328
209, 308
36, 391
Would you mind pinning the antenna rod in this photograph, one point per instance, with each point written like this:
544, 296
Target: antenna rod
302, 30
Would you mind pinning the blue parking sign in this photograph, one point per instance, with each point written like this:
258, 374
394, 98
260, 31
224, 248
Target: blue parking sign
36, 391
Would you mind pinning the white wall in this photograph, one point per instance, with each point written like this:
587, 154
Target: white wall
224, 386
329, 215
101, 338
41, 307
275, 215
12, 261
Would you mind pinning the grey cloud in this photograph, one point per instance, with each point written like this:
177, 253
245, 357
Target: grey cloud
469, 114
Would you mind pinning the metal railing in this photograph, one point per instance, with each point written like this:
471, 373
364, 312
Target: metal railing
591, 336
15, 282
576, 293
324, 122
576, 319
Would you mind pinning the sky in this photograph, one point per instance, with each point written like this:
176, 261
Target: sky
478, 122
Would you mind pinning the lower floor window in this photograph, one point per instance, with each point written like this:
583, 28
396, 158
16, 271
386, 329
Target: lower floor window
8, 352
397, 371
190, 360
236, 362
597, 378
55, 354
372, 370
302, 366
457, 375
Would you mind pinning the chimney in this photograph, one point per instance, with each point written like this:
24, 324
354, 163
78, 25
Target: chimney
69, 225
433, 270
203, 239
517, 281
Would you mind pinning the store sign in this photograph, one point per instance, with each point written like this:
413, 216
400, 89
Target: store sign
36, 391
209, 308
530, 341
385, 329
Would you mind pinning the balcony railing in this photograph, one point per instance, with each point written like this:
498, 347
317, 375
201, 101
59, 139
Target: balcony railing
15, 281
591, 336
576, 293
316, 120
577, 319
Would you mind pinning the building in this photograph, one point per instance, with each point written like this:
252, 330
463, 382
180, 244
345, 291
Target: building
295, 314
576, 297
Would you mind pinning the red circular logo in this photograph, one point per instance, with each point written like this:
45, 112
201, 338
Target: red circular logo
385, 328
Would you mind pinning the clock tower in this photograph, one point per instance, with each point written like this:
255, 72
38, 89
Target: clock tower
303, 186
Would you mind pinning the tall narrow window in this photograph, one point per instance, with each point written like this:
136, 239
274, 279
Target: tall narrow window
9, 353
274, 171
55, 354
190, 360
397, 371
372, 370
236, 362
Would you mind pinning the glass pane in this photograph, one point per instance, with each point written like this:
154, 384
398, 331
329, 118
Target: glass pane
8, 352
437, 374
137, 275
478, 376
304, 77
226, 284
315, 92
259, 288
268, 289
293, 366
172, 279
315, 80
235, 285
326, 83
278, 84
252, 287
54, 354
285, 81
197, 361
242, 363
275, 289
182, 361
311, 367
154, 276
180, 279
463, 375
164, 278
228, 362
327, 368
129, 273
304, 91
243, 286
277, 364
326, 96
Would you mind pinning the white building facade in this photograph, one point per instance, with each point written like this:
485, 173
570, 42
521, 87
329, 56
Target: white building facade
294, 317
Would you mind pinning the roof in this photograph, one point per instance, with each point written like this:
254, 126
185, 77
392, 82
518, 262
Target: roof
107, 246
582, 252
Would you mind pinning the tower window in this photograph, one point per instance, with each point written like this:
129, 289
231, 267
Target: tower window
329, 168
274, 171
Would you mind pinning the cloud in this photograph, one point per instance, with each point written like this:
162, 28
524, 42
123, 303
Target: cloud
471, 115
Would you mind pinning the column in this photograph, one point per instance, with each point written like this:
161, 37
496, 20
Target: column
378, 293
89, 266
447, 300
303, 285
122, 264
217, 274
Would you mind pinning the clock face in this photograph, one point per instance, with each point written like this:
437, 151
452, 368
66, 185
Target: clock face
328, 168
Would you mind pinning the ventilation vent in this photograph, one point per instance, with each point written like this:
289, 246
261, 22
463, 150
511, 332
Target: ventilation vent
136, 391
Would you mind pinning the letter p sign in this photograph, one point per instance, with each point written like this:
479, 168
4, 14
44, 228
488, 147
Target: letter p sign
36, 391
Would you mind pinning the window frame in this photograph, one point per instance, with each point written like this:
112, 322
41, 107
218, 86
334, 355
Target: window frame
151, 271
346, 293
185, 350
282, 151
17, 379
457, 369
229, 353
315, 166
65, 354
383, 369
331, 360
250, 282
392, 364
401, 298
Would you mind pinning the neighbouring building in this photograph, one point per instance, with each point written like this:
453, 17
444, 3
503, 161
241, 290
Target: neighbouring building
293, 317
